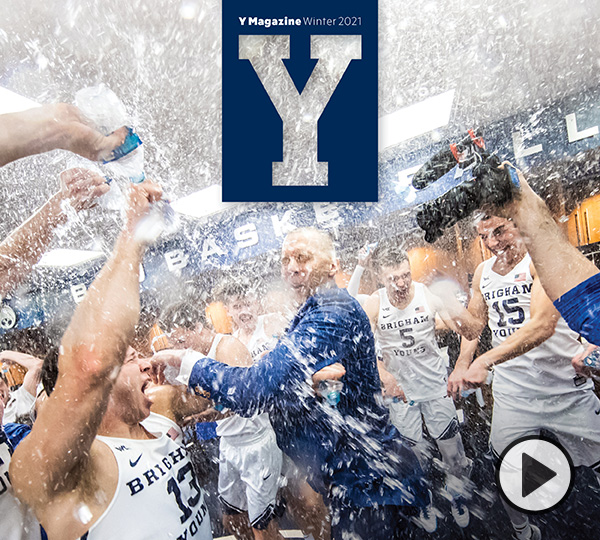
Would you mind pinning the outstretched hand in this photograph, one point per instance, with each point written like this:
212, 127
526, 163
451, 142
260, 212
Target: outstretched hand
51, 127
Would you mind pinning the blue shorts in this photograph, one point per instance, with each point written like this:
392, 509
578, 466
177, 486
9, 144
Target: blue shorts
580, 307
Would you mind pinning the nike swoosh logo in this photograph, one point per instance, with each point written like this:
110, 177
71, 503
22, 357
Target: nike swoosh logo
267, 477
134, 463
597, 412
386, 316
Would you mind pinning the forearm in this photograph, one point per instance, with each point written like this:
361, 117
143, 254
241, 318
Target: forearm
527, 337
468, 348
559, 264
243, 390
26, 133
354, 283
465, 324
25, 245
103, 323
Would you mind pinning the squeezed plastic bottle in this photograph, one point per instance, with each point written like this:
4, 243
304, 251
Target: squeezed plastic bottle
330, 390
101, 105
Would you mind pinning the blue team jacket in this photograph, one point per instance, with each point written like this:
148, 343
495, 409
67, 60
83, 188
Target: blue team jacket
351, 453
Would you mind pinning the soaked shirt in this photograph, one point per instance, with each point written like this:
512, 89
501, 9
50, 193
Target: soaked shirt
545, 369
351, 452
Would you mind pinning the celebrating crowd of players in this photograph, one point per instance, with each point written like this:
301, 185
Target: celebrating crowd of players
320, 411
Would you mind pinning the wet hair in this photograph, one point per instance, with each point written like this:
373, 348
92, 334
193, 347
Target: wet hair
323, 237
232, 288
390, 255
481, 216
185, 314
49, 372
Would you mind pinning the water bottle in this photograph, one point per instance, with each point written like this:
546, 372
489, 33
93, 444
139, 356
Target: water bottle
101, 105
330, 390
592, 360
112, 200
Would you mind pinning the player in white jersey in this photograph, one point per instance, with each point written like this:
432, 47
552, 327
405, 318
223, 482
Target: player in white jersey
17, 521
403, 315
249, 459
88, 467
535, 386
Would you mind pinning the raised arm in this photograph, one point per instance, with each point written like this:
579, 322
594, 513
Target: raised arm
51, 459
51, 127
26, 244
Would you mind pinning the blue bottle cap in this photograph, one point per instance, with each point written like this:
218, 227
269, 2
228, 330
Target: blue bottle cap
132, 141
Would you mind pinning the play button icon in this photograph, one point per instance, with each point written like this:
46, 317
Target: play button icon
534, 474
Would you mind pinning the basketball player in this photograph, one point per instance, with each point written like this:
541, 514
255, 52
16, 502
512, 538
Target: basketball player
403, 316
535, 386
88, 468
569, 279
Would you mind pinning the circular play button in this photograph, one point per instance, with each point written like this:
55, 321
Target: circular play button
534, 474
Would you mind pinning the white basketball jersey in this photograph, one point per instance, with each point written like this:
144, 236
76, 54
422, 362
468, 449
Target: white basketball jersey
546, 369
238, 429
17, 521
157, 497
409, 347
158, 424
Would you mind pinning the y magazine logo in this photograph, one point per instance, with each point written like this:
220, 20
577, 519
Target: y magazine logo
299, 101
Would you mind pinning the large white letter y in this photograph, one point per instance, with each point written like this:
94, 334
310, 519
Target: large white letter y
300, 113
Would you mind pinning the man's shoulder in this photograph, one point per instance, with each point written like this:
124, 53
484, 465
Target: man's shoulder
335, 300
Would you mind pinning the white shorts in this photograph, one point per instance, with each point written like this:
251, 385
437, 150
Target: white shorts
574, 419
439, 414
249, 477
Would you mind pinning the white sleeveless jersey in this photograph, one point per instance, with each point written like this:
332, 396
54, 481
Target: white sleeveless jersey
17, 521
159, 425
409, 347
157, 497
546, 369
238, 429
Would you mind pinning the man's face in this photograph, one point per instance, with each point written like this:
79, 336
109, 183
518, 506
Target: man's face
129, 392
305, 263
243, 311
397, 280
499, 235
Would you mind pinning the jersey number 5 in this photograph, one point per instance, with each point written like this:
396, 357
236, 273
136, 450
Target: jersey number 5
408, 340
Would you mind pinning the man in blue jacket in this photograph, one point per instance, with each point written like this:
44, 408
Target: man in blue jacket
350, 452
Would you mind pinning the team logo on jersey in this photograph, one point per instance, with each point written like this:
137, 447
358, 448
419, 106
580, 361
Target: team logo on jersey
133, 463
520, 277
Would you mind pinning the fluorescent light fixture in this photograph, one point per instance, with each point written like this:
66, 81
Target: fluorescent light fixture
206, 202
11, 102
415, 120
64, 258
